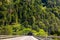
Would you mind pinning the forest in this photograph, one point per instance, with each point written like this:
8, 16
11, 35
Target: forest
21, 17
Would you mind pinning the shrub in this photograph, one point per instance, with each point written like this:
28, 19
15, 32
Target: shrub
41, 33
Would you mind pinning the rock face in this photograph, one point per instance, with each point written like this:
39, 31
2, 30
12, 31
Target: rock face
22, 38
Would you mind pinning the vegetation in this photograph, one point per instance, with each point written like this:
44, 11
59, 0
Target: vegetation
40, 17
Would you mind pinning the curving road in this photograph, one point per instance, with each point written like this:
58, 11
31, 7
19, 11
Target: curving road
27, 38
22, 38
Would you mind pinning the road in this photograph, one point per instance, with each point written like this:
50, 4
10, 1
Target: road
16, 37
22, 38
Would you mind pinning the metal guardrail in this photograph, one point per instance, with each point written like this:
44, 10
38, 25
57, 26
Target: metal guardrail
48, 37
8, 36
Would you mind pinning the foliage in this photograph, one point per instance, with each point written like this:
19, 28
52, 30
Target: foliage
23, 16
41, 33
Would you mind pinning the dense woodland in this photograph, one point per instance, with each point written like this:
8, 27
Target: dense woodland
21, 17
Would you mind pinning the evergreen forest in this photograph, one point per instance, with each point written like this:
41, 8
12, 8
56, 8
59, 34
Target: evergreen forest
37, 17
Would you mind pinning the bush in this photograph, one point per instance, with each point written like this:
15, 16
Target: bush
25, 31
17, 28
6, 30
41, 33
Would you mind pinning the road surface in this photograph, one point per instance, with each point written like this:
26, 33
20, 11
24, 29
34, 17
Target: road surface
27, 38
22, 38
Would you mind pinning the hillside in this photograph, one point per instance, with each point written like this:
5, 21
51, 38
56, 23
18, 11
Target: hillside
30, 17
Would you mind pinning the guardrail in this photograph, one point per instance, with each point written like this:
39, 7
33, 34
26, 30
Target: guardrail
48, 38
8, 36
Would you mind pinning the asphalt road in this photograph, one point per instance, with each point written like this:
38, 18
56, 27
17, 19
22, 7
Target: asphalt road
16, 37
22, 38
